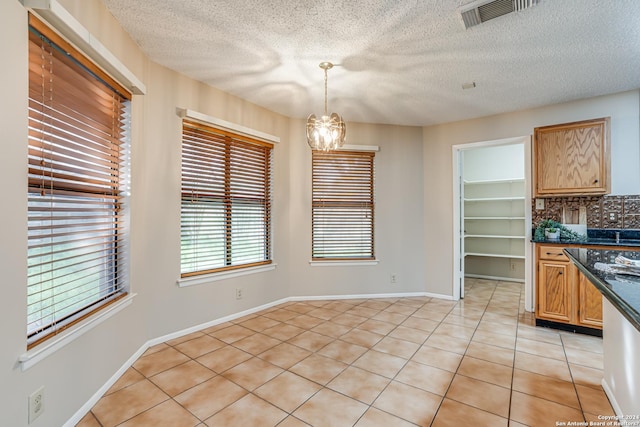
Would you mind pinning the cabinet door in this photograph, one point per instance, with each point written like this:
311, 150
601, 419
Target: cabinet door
554, 291
589, 304
573, 158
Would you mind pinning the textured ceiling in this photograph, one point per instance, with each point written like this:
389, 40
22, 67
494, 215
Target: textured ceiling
397, 62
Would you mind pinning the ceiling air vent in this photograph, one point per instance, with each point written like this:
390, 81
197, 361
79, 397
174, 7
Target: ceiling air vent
482, 11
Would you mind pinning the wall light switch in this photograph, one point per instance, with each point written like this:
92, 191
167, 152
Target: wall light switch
539, 203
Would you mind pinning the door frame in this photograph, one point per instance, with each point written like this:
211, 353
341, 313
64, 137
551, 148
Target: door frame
458, 194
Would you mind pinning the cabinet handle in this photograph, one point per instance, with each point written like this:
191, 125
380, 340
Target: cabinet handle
560, 273
595, 182
551, 253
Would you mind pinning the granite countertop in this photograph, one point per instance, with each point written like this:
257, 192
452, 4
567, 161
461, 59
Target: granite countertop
622, 290
628, 243
602, 237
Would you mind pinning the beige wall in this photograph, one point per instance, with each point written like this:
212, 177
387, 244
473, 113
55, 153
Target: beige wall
413, 214
155, 221
73, 374
398, 216
13, 245
623, 108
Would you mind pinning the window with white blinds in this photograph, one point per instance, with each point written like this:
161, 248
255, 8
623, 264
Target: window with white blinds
342, 205
78, 159
226, 200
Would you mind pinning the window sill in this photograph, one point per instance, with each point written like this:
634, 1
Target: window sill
346, 263
213, 277
40, 352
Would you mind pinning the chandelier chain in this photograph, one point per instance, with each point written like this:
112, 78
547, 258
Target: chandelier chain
325, 93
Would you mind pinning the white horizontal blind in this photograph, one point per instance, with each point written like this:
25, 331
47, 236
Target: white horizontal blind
78, 176
226, 200
343, 205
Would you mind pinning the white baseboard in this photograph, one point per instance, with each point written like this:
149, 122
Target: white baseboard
499, 278
215, 322
358, 296
612, 399
75, 419
438, 296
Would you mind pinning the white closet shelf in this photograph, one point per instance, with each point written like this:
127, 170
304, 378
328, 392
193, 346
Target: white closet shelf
494, 223
495, 181
494, 236
493, 217
495, 199
494, 255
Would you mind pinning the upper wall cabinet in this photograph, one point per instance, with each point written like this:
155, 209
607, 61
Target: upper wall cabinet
573, 159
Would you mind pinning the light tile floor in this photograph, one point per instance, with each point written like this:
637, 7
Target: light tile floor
371, 362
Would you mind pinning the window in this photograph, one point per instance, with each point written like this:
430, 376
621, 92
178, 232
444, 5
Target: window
226, 200
342, 205
77, 185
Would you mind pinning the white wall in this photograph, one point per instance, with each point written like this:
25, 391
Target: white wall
623, 108
621, 346
494, 163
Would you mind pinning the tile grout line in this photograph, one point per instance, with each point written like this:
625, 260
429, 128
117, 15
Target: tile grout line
252, 356
515, 346
465, 354
369, 406
405, 364
323, 386
575, 388
495, 292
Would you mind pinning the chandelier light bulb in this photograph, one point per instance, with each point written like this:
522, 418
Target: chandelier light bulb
329, 131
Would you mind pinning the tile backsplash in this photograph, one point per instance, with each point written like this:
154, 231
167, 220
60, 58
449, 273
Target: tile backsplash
602, 211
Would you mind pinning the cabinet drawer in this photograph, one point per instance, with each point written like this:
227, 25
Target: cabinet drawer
553, 253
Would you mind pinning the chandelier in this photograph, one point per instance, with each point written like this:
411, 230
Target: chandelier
327, 132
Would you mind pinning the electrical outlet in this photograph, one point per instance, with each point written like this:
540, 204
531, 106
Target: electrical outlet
36, 404
238, 293
613, 216
394, 278
539, 203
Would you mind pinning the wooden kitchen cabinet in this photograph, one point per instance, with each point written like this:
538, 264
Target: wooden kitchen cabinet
563, 294
554, 291
573, 159
554, 285
590, 303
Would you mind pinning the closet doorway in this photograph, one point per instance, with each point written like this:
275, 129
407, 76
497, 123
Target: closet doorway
492, 213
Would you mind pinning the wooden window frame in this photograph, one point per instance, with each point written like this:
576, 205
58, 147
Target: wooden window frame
223, 168
79, 144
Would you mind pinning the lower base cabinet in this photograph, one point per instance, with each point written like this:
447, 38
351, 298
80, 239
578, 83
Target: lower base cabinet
590, 303
563, 294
